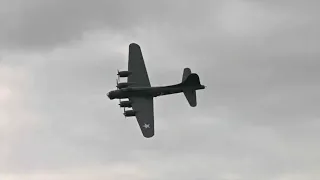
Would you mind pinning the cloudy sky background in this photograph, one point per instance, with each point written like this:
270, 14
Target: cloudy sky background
258, 118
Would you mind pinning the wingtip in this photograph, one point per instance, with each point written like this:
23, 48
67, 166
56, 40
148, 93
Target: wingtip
148, 135
134, 45
193, 105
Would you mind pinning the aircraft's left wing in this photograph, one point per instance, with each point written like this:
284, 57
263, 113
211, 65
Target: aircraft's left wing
144, 114
136, 65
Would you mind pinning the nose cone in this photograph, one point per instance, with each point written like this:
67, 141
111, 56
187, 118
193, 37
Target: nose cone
111, 95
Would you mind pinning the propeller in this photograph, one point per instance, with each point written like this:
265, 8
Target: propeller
119, 101
118, 74
117, 82
124, 110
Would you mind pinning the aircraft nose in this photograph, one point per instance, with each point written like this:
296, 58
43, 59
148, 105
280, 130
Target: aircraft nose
110, 95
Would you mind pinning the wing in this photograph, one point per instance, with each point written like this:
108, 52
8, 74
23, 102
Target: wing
144, 114
137, 66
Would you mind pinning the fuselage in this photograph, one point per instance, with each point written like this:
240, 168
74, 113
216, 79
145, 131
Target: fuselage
149, 91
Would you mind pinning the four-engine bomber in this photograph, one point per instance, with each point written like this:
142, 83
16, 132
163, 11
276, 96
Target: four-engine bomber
140, 93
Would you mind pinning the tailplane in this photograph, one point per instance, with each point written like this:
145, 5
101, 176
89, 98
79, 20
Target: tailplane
186, 73
191, 96
190, 83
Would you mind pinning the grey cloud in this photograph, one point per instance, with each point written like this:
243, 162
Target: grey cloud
46, 24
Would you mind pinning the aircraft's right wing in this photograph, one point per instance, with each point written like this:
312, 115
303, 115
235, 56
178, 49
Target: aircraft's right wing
136, 65
144, 114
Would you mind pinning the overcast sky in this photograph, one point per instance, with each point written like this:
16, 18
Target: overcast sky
258, 118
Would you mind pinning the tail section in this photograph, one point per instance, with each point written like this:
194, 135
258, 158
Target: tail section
186, 73
190, 83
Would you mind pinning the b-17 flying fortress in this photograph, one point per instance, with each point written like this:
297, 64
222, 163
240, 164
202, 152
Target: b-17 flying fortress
140, 93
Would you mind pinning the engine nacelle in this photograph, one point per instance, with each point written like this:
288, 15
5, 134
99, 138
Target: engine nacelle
125, 104
123, 85
124, 73
129, 113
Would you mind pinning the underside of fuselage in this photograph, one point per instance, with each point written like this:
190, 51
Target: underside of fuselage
144, 92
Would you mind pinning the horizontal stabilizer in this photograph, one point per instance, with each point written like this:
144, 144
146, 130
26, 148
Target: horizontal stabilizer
191, 96
186, 73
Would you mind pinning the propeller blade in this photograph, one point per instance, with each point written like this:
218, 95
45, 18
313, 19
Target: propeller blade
117, 82
118, 74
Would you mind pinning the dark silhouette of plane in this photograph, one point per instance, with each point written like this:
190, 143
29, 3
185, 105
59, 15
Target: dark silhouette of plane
140, 93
